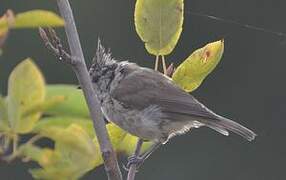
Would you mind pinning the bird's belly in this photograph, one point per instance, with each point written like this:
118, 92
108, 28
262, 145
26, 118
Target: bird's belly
132, 122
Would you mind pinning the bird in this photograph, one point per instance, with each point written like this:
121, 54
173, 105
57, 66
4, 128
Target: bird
149, 105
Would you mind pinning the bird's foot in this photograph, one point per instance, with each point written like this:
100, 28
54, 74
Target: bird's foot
137, 160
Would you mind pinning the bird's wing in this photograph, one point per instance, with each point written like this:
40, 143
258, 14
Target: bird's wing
145, 87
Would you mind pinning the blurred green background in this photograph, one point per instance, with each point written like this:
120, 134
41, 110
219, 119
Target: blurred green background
248, 85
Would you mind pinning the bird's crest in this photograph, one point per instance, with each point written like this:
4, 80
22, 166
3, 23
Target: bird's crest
101, 58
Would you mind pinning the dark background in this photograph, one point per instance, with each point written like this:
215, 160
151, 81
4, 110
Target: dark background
248, 85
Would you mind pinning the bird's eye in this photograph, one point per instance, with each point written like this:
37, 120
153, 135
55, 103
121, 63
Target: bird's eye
95, 79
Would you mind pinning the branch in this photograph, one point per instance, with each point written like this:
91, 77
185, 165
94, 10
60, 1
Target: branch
133, 168
77, 62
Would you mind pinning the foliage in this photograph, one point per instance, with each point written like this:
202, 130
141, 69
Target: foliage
32, 107
26, 88
59, 112
30, 19
159, 24
191, 73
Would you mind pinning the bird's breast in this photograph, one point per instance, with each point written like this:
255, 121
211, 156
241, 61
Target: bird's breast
131, 120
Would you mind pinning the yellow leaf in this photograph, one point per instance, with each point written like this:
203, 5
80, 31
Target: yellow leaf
4, 124
77, 150
26, 88
44, 156
128, 145
191, 73
37, 18
159, 24
29, 19
62, 162
59, 172
64, 122
116, 135
73, 136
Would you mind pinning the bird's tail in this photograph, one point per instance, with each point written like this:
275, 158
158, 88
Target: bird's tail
223, 125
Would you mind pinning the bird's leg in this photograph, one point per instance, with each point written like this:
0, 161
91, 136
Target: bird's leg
138, 160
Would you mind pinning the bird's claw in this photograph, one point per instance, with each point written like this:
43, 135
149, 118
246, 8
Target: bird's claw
137, 160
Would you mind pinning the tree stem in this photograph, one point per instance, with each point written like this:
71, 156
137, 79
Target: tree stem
79, 67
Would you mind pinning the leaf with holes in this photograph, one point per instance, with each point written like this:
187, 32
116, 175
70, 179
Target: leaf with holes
191, 73
159, 24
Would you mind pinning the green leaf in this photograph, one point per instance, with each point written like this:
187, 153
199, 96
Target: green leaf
26, 88
191, 73
76, 152
46, 125
74, 104
37, 18
72, 143
30, 19
42, 106
159, 24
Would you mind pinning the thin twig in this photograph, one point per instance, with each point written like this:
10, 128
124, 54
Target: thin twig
15, 142
133, 168
53, 43
164, 65
77, 62
156, 63
30, 142
18, 151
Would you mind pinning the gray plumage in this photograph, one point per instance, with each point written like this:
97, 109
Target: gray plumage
148, 104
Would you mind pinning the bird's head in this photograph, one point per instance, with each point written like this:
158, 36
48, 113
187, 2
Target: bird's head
103, 67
